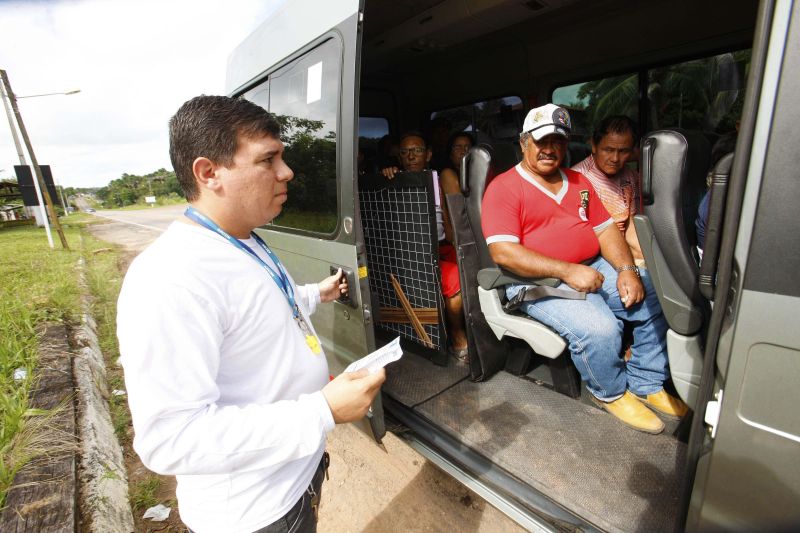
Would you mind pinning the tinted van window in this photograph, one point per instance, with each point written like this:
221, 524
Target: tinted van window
703, 94
304, 96
488, 121
589, 102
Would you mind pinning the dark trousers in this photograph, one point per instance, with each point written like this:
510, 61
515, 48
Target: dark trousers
302, 517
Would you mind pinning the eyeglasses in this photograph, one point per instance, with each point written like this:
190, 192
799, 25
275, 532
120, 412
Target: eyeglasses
418, 150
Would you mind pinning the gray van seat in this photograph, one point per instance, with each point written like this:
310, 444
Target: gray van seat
477, 172
674, 167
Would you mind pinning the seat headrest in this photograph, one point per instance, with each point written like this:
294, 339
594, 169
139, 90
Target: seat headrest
674, 169
723, 166
476, 174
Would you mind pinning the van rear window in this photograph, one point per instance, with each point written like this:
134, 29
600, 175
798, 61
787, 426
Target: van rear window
488, 121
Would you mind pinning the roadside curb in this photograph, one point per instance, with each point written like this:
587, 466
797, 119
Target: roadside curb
102, 478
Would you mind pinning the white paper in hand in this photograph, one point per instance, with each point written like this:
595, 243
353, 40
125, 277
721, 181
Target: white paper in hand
378, 359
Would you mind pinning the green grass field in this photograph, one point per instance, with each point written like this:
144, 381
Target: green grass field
39, 285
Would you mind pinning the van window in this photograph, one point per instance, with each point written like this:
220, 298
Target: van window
372, 127
304, 96
370, 132
589, 102
704, 94
489, 120
259, 95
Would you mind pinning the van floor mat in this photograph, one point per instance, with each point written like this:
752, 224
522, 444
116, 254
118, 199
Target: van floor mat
412, 379
579, 456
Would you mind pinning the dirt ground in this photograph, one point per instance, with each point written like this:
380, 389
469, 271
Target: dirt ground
369, 489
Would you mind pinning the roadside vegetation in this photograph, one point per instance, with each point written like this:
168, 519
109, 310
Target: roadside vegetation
40, 286
132, 189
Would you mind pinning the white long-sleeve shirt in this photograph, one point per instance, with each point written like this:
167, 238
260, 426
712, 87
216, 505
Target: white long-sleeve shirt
223, 389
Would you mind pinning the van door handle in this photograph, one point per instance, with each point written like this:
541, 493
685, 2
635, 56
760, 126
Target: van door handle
347, 299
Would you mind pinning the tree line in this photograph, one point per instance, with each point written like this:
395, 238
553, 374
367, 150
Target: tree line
132, 189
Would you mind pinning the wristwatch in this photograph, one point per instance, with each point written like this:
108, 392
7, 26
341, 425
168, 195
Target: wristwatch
628, 267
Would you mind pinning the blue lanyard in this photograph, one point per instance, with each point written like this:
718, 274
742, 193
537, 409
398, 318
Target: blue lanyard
281, 278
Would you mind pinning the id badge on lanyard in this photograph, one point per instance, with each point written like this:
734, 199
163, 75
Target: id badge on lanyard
281, 278
311, 340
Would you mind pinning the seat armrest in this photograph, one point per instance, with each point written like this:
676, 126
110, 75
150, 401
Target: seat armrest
494, 277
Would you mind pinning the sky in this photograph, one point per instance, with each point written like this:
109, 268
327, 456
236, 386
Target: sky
134, 61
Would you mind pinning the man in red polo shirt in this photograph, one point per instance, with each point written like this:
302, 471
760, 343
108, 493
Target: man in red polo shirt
543, 221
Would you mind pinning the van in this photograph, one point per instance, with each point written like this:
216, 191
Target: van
514, 423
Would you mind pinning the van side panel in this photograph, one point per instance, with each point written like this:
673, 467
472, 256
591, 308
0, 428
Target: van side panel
282, 34
753, 480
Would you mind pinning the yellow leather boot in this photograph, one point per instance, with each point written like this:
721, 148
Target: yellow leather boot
665, 404
632, 413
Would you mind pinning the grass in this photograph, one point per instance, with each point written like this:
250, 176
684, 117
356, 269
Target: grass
104, 280
142, 492
39, 285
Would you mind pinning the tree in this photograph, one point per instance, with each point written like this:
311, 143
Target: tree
312, 157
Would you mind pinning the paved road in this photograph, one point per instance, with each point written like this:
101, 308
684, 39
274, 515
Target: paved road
134, 230
371, 489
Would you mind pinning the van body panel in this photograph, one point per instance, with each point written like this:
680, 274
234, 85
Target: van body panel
753, 479
753, 469
280, 36
345, 329
340, 326
455, 53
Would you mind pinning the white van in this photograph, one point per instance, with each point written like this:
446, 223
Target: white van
513, 424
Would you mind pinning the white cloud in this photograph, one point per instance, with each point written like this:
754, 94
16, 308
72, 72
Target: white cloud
135, 63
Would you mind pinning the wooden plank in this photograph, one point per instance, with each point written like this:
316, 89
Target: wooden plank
415, 323
43, 496
426, 315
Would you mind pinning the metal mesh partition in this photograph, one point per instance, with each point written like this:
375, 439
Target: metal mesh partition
399, 224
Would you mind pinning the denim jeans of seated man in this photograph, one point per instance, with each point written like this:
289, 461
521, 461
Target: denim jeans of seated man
593, 331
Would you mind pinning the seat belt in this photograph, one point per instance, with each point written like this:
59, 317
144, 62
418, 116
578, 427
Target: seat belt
531, 294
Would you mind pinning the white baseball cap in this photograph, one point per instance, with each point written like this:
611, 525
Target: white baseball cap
546, 120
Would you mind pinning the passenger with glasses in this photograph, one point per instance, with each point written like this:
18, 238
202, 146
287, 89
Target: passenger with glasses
415, 156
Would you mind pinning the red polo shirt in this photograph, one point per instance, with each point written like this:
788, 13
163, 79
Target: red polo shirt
565, 225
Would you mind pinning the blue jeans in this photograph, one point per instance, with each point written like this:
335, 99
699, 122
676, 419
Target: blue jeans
593, 331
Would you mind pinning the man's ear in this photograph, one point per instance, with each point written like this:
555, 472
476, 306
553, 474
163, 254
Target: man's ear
429, 154
205, 172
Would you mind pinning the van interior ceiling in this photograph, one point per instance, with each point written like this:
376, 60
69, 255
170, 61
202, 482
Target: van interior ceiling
431, 52
423, 56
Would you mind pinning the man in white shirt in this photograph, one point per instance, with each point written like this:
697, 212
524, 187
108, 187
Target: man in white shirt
227, 384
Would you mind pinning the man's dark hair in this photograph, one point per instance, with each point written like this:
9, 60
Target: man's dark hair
209, 126
619, 124
413, 133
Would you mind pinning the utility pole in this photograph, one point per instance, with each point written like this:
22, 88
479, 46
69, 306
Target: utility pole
48, 201
38, 211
